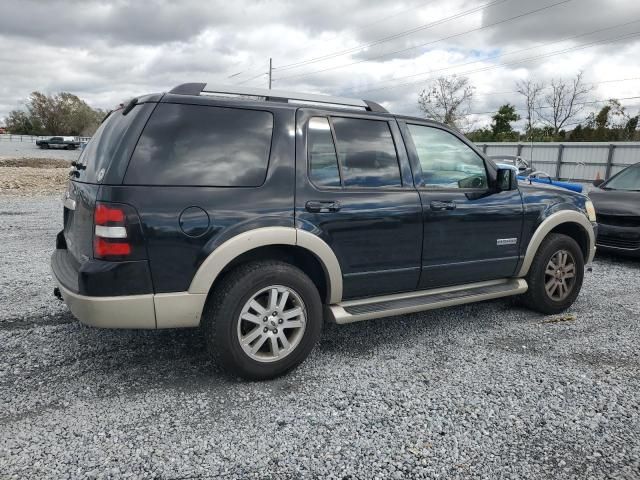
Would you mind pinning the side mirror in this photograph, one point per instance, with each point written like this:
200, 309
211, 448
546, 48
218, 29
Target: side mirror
598, 182
506, 180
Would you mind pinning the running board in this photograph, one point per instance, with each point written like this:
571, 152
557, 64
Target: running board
401, 303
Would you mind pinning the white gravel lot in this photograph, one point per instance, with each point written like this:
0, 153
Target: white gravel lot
481, 391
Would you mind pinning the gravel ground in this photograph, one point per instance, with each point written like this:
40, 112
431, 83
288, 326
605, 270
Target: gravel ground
27, 170
481, 391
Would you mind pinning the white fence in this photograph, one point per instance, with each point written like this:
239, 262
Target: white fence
9, 137
574, 160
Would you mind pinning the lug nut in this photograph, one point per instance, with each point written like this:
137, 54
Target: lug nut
275, 330
264, 319
280, 321
266, 329
274, 313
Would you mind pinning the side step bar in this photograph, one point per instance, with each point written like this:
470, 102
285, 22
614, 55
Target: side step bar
401, 303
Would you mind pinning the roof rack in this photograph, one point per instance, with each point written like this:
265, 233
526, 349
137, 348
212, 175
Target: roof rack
275, 95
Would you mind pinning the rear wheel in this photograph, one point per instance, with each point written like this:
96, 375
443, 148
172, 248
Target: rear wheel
262, 320
556, 274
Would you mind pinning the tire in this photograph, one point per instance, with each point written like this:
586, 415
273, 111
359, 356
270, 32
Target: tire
558, 299
223, 327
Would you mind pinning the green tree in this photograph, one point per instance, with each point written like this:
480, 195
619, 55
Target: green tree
60, 114
19, 122
501, 125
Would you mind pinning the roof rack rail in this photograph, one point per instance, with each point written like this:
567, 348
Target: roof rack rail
275, 95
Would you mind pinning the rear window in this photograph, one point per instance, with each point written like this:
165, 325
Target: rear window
195, 145
111, 142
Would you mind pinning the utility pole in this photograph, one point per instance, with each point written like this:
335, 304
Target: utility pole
270, 71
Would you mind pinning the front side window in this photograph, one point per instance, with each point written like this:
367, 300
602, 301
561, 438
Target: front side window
446, 161
321, 152
628, 179
366, 152
198, 145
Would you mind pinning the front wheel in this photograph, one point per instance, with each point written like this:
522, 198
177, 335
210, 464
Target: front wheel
262, 320
556, 275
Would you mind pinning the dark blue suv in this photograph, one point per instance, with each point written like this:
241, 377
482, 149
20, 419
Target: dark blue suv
258, 214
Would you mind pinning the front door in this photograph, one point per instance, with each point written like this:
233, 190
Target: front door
354, 189
471, 231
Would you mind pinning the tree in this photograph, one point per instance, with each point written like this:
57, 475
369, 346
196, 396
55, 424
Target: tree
60, 114
501, 125
631, 127
610, 123
18, 121
564, 103
531, 92
447, 100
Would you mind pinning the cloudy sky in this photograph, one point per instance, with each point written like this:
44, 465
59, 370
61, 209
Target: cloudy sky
384, 51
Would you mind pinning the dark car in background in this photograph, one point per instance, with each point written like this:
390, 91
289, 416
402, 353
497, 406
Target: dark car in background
617, 204
67, 143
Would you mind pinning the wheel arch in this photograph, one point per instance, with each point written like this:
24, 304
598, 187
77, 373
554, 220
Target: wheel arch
569, 222
300, 248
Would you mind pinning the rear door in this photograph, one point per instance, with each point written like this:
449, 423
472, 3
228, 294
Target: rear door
471, 231
354, 189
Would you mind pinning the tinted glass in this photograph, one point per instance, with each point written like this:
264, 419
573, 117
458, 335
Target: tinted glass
628, 179
323, 162
202, 146
108, 139
446, 161
366, 152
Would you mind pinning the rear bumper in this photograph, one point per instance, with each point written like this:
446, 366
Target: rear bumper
135, 311
86, 291
616, 239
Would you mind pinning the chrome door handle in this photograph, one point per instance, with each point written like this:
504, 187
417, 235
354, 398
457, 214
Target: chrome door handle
316, 206
439, 206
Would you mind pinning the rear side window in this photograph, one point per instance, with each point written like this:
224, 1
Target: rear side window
366, 152
202, 146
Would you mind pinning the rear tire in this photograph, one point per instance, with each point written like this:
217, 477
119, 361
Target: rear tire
234, 322
556, 275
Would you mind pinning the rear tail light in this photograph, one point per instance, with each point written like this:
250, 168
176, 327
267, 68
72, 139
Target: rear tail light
117, 232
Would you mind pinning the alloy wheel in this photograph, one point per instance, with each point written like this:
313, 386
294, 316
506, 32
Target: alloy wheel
560, 275
272, 323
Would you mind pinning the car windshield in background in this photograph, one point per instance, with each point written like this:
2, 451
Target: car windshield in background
628, 179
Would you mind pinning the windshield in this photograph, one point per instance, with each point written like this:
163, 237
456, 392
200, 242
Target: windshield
628, 179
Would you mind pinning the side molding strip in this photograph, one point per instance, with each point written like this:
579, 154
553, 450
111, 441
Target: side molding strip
548, 224
261, 237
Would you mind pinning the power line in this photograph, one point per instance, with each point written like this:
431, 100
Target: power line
252, 78
593, 102
572, 37
393, 37
531, 12
380, 20
486, 94
501, 65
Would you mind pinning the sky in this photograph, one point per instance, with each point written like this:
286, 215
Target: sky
385, 51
